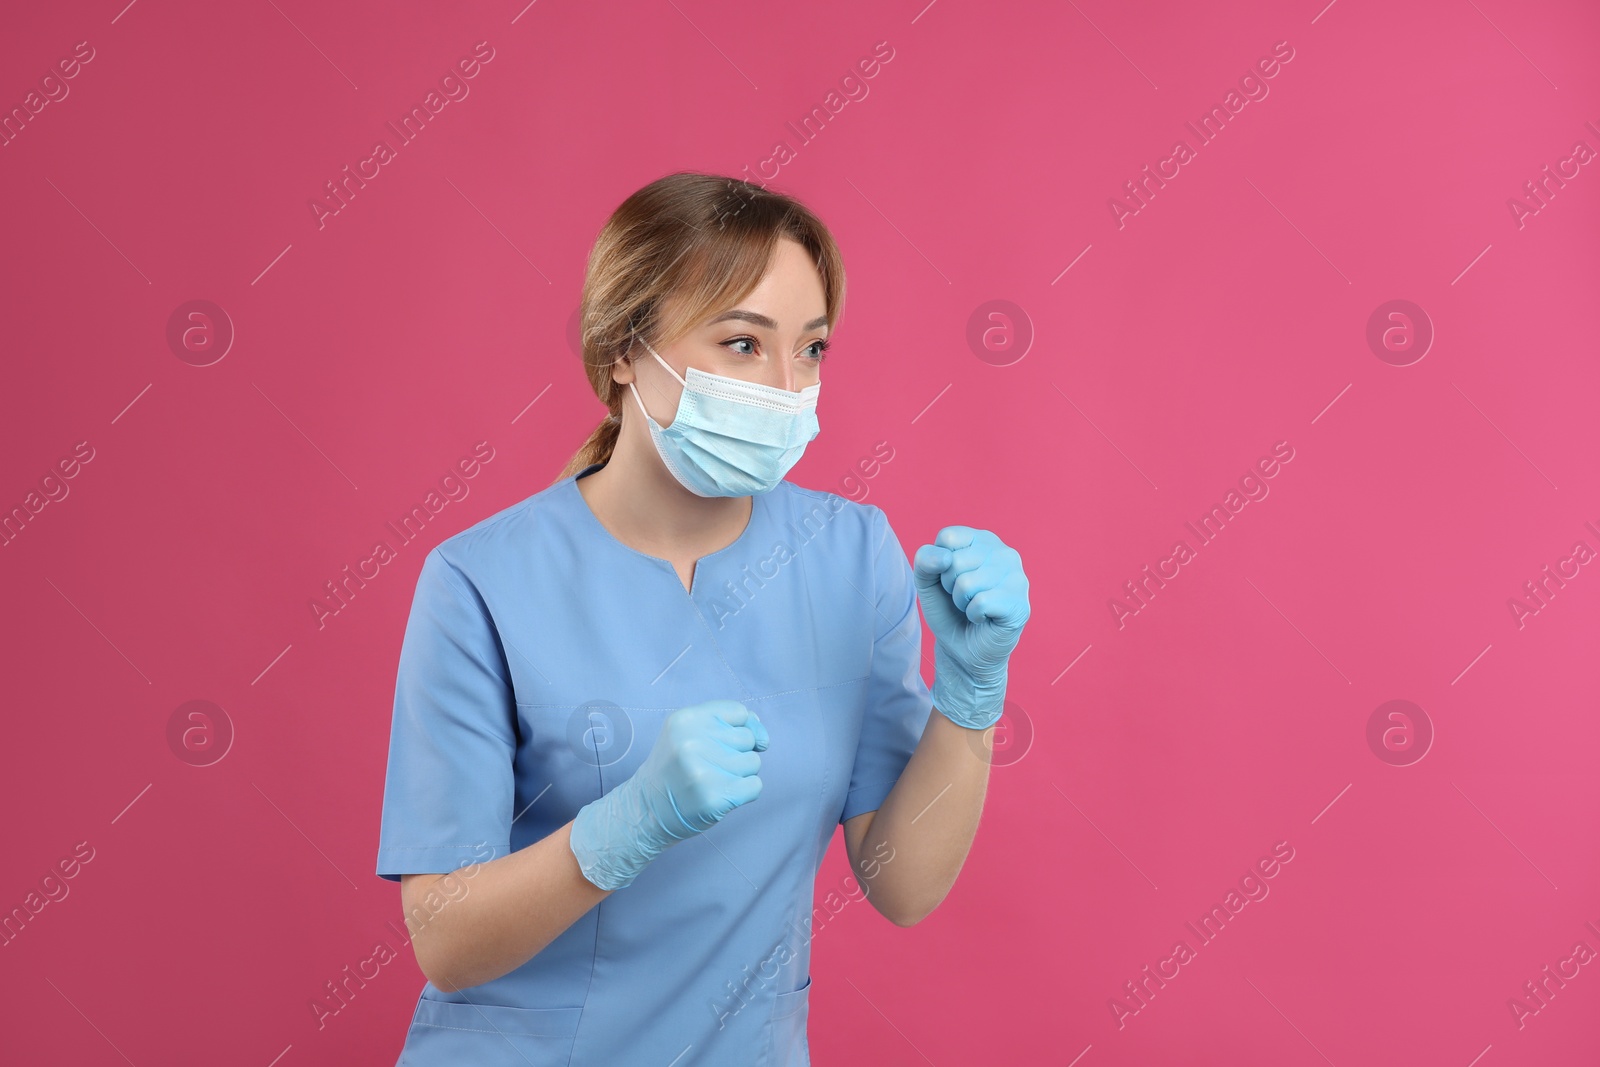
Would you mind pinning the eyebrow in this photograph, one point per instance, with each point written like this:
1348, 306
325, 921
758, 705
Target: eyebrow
763, 321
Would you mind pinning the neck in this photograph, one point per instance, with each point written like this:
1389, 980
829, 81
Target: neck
643, 505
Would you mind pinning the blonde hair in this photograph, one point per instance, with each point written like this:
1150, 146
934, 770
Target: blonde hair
702, 239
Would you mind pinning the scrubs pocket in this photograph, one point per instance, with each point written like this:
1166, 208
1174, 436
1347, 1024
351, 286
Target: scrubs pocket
789, 1047
448, 1032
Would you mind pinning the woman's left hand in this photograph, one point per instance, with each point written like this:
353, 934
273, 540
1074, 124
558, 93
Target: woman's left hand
974, 596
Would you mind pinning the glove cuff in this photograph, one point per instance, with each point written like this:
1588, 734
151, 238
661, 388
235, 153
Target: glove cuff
974, 700
607, 841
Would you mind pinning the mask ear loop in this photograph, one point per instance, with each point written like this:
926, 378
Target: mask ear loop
634, 389
663, 362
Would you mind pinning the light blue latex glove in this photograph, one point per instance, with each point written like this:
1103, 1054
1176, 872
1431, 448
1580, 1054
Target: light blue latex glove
703, 765
974, 596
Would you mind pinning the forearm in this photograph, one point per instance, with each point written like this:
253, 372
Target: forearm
510, 910
929, 820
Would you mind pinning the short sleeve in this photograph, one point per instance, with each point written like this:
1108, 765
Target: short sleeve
449, 789
898, 700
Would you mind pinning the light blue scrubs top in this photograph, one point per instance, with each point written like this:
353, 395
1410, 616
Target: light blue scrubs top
540, 659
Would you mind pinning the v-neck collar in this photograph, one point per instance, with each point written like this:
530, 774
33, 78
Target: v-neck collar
587, 517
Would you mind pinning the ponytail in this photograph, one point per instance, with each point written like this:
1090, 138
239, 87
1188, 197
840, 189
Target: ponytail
597, 449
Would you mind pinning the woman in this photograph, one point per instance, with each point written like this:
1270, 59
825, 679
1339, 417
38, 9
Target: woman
632, 708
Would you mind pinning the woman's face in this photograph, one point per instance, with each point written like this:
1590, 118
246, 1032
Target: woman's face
773, 337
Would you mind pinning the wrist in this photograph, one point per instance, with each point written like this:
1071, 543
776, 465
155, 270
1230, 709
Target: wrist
974, 699
609, 838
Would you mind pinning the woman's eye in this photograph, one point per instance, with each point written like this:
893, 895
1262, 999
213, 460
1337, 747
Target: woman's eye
815, 350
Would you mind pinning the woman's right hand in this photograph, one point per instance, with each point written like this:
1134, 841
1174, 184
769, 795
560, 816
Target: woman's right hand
703, 765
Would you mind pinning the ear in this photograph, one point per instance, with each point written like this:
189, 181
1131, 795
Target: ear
622, 369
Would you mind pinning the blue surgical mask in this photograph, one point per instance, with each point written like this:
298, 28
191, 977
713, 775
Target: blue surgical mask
732, 437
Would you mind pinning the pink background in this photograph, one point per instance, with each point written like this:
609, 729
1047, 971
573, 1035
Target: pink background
1230, 313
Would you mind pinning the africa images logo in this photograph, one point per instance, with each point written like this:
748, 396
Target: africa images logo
1140, 591
453, 85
